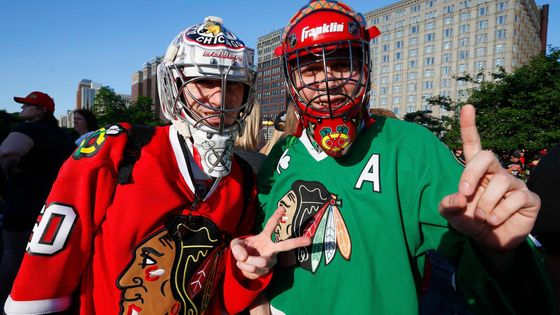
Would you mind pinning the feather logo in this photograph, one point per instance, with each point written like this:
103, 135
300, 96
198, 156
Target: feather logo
312, 211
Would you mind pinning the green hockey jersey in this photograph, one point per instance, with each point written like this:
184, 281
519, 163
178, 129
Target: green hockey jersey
372, 215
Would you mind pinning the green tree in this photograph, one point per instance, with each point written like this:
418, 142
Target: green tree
109, 107
518, 109
141, 112
426, 119
522, 108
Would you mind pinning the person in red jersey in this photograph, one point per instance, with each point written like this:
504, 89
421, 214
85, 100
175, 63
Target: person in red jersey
140, 219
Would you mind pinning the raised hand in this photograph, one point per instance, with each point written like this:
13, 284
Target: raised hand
491, 206
256, 255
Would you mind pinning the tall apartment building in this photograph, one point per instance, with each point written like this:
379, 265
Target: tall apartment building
425, 43
85, 94
270, 88
144, 83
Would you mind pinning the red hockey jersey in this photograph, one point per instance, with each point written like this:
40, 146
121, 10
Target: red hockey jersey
139, 248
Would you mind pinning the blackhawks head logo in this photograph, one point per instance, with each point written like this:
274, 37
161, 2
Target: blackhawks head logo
175, 270
311, 210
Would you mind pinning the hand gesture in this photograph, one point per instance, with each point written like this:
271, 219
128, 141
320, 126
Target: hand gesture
256, 255
491, 206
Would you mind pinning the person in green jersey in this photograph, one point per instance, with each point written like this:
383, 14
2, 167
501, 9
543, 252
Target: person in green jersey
375, 194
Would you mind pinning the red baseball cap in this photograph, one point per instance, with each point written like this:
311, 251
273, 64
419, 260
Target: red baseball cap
37, 98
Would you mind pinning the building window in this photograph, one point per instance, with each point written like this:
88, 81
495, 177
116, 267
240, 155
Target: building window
412, 52
447, 45
396, 111
398, 78
463, 54
414, 29
480, 65
448, 9
396, 89
398, 55
501, 6
501, 34
429, 49
482, 11
445, 70
465, 28
386, 47
462, 68
410, 108
412, 87
500, 48
428, 61
446, 58
413, 41
385, 58
463, 41
448, 20
415, 8
501, 19
428, 85
430, 37
482, 24
398, 67
413, 75
399, 44
465, 16
396, 100
430, 25
428, 73
481, 38
412, 63
480, 52
448, 32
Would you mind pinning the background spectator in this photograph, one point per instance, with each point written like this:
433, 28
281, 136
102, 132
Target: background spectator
85, 123
30, 158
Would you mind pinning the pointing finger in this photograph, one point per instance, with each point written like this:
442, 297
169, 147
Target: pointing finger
469, 133
273, 221
292, 243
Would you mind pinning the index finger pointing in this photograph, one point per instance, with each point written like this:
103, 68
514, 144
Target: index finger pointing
469, 133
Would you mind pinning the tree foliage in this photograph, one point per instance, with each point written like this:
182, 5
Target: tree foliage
515, 110
522, 108
111, 108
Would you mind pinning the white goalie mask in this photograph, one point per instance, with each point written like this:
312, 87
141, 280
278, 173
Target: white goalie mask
206, 88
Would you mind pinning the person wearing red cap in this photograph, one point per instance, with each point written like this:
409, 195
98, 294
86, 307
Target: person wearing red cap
367, 190
30, 157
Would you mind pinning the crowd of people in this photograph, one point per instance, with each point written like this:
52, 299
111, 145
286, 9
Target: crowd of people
345, 209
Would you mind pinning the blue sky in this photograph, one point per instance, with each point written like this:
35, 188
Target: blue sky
51, 45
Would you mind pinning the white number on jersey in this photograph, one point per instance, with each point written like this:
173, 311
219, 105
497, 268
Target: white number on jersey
51, 233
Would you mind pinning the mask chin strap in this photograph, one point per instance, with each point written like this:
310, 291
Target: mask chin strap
211, 151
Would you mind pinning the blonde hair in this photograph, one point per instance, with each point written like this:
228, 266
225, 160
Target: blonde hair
290, 127
249, 139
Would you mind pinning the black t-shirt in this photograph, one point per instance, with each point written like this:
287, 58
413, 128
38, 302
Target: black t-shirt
29, 185
545, 181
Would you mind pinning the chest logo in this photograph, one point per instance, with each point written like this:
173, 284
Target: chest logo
175, 270
311, 210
